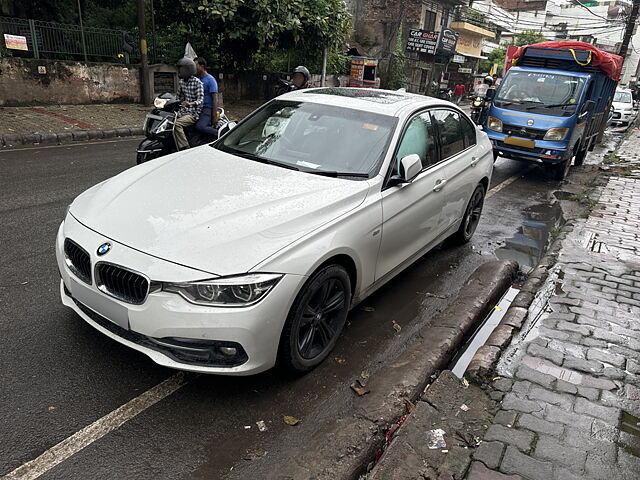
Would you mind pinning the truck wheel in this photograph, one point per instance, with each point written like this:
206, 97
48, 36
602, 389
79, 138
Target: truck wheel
561, 170
580, 156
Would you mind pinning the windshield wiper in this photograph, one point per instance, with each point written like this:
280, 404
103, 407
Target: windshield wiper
333, 173
549, 106
256, 158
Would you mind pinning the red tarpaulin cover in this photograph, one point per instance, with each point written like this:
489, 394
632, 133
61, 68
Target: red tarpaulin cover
609, 63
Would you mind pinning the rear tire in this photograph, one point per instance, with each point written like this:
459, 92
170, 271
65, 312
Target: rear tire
315, 320
470, 219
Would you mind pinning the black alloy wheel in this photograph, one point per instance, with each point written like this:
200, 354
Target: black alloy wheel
316, 319
471, 217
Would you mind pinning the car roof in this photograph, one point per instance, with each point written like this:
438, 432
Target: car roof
386, 102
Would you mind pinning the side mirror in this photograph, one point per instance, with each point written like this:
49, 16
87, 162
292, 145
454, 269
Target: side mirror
410, 167
588, 107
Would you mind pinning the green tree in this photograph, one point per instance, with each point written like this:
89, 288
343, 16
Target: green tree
499, 54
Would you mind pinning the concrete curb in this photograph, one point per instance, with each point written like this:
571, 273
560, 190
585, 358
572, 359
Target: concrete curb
482, 365
342, 448
17, 140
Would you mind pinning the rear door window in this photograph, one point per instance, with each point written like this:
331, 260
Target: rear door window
452, 140
419, 139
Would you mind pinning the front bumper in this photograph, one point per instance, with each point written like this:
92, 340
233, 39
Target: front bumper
153, 327
622, 117
544, 151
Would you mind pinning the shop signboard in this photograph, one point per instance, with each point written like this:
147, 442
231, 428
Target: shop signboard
422, 41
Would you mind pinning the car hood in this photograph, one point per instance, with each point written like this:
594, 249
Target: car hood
622, 106
213, 211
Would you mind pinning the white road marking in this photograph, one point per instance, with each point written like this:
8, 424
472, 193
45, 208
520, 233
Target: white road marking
506, 183
98, 429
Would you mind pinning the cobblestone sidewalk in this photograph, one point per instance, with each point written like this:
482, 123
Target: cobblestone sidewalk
571, 406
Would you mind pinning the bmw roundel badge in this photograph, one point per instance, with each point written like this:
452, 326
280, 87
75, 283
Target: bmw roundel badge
104, 249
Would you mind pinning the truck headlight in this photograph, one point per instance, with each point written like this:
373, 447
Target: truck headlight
238, 291
556, 134
494, 124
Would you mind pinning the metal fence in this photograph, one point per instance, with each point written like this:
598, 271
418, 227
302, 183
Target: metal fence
72, 42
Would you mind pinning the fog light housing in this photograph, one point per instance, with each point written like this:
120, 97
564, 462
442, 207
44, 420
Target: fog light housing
229, 351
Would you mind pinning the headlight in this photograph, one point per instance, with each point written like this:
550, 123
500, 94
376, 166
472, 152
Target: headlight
159, 102
495, 124
238, 291
556, 134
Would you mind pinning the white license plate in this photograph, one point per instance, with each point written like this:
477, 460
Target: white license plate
100, 303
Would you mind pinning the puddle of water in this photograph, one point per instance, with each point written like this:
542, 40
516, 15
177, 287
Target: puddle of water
462, 359
530, 243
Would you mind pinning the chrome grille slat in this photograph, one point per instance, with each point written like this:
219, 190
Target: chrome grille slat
122, 283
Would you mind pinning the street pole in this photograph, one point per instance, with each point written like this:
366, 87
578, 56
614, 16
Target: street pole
144, 60
84, 43
324, 68
628, 33
153, 34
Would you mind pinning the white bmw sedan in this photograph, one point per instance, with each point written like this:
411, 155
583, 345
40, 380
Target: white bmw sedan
230, 257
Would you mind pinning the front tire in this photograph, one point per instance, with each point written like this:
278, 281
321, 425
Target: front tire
316, 319
471, 218
559, 171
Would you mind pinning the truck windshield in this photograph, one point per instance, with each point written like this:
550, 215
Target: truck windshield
540, 92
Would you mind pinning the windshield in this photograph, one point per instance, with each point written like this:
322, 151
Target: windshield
622, 97
314, 138
540, 92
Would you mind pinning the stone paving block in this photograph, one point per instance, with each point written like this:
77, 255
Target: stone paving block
590, 393
501, 336
511, 436
594, 322
489, 453
629, 301
566, 336
539, 425
94, 134
547, 396
506, 418
553, 355
603, 431
49, 139
65, 137
613, 373
593, 342
557, 414
515, 317
521, 464
602, 334
79, 135
583, 365
13, 139
608, 414
525, 372
123, 132
521, 387
549, 448
503, 384
512, 402
31, 138
606, 357
562, 473
550, 370
109, 133
625, 332
633, 366
479, 472
566, 387
578, 351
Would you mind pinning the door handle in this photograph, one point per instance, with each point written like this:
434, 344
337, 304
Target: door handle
474, 161
439, 185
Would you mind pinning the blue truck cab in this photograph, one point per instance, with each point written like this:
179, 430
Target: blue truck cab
551, 108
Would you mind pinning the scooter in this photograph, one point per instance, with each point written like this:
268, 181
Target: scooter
477, 107
158, 130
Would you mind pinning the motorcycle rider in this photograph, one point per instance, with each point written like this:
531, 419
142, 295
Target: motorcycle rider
301, 77
191, 93
209, 114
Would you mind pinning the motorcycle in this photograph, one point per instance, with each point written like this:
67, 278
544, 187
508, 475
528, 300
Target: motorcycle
284, 86
477, 107
158, 130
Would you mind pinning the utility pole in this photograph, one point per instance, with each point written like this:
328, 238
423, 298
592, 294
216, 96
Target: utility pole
144, 59
84, 43
628, 33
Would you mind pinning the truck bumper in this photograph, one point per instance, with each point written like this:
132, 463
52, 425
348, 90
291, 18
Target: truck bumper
541, 152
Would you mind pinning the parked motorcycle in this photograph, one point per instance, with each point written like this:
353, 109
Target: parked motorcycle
158, 129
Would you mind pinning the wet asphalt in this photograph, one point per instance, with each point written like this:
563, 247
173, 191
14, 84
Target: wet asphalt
58, 375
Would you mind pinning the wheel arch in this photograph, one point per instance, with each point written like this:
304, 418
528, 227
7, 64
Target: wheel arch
345, 261
485, 183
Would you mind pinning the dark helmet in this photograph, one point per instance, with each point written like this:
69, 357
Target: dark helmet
186, 68
305, 73
488, 80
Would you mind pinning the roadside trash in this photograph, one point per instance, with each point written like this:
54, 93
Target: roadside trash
51, 408
340, 360
409, 404
435, 439
24, 283
254, 454
464, 408
261, 425
465, 383
247, 427
497, 308
469, 439
360, 387
364, 375
495, 378
368, 309
291, 420
396, 326
445, 451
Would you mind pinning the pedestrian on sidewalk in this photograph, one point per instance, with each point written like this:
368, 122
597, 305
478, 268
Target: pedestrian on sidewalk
191, 93
209, 116
459, 91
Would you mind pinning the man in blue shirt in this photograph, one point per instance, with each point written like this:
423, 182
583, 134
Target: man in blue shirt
209, 115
